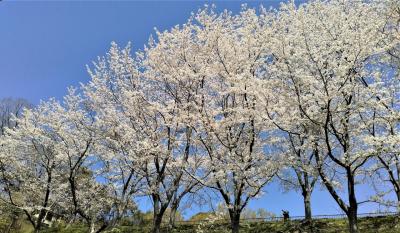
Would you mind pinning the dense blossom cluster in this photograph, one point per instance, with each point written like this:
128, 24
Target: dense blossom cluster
306, 94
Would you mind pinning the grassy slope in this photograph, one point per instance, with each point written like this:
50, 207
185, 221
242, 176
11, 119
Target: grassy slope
389, 224
367, 225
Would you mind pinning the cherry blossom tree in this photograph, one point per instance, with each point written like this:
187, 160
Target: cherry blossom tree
219, 59
30, 178
301, 173
384, 137
143, 127
72, 125
384, 125
320, 58
10, 108
297, 138
49, 170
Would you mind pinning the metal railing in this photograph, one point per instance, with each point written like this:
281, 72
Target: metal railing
295, 218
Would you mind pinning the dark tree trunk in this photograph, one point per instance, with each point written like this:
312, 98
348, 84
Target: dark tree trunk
172, 217
307, 206
307, 210
235, 221
157, 223
353, 225
398, 200
353, 205
351, 209
71, 181
158, 213
306, 193
156, 216
43, 212
39, 220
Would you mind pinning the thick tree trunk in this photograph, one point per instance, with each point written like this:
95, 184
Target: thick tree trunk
398, 200
307, 206
306, 193
43, 212
172, 216
351, 209
157, 223
158, 213
307, 210
353, 205
353, 225
39, 220
235, 221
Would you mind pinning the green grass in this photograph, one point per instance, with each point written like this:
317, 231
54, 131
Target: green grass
389, 224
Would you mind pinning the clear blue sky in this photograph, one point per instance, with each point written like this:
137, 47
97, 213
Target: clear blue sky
44, 47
